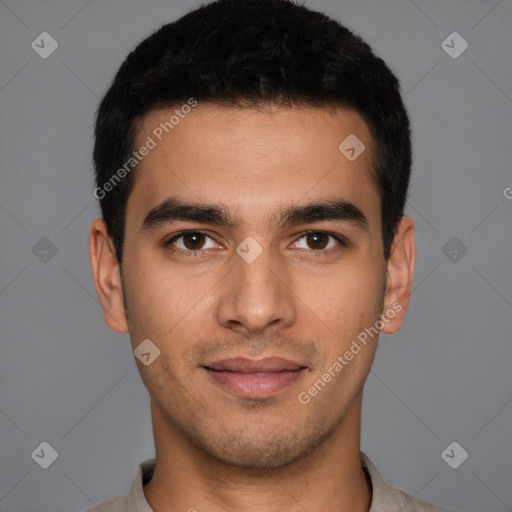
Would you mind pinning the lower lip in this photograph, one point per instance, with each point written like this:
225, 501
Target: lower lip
255, 385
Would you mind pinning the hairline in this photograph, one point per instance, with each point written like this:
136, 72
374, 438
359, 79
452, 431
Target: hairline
248, 104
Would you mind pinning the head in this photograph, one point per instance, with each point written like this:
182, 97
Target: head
277, 139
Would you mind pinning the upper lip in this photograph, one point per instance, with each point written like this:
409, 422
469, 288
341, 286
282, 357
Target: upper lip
244, 365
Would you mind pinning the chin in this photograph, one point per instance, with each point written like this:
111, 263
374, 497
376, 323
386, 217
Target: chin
259, 451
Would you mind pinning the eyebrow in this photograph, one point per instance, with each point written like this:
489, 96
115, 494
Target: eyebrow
173, 209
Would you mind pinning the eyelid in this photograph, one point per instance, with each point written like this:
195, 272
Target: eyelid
176, 236
342, 240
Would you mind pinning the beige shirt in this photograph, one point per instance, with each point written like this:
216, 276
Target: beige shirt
384, 497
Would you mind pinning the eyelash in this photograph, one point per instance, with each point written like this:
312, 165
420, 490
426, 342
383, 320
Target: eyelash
200, 252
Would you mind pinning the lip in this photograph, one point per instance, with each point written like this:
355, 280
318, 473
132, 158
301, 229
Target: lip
251, 378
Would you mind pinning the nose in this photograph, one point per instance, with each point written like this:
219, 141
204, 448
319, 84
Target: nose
257, 295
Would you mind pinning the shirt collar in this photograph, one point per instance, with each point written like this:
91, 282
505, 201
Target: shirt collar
136, 501
381, 494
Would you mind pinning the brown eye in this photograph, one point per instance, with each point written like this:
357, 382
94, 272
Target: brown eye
193, 241
317, 240
320, 241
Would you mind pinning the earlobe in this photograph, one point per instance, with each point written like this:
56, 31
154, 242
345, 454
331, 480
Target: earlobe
400, 274
107, 277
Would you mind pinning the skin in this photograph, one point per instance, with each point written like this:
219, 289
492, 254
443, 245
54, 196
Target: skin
301, 300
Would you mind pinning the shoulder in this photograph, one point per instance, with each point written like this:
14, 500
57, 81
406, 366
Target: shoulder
391, 499
408, 503
134, 501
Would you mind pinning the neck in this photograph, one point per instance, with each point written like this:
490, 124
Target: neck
330, 478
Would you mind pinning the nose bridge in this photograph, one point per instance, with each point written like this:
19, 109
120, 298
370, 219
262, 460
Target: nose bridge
256, 294
258, 277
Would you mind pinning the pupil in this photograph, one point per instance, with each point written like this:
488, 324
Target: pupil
317, 238
193, 240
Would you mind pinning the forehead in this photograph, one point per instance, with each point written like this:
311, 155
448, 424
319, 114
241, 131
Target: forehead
252, 160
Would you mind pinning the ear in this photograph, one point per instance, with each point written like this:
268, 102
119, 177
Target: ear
107, 276
400, 274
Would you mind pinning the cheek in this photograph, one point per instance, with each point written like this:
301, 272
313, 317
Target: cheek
343, 304
348, 290
164, 300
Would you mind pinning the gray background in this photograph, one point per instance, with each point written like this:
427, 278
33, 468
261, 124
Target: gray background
446, 376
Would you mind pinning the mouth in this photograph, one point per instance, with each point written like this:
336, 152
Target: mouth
250, 378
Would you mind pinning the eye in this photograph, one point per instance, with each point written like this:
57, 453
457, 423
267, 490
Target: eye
320, 241
192, 241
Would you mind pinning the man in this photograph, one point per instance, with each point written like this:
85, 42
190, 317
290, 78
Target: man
252, 164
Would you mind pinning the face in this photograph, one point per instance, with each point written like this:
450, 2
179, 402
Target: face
253, 261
